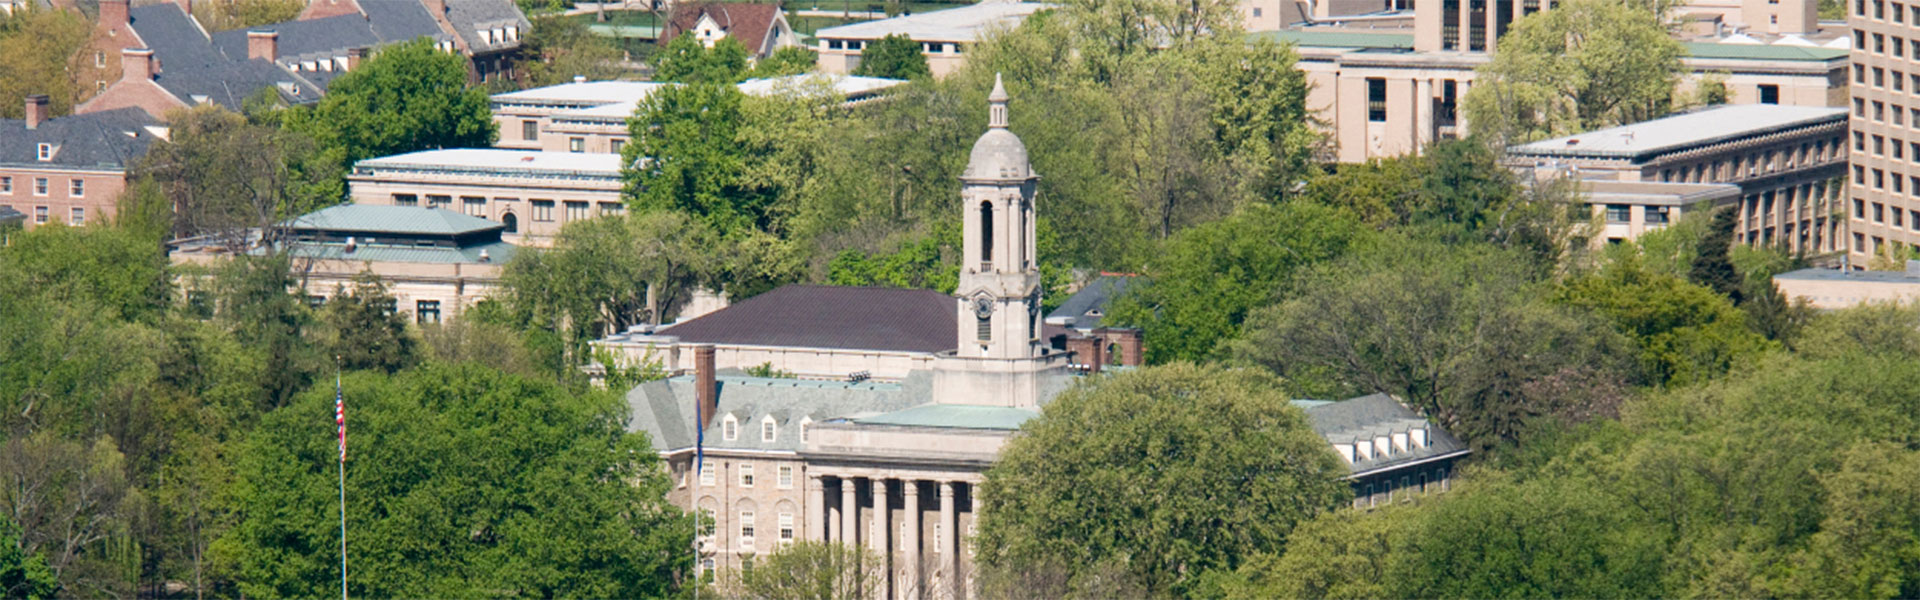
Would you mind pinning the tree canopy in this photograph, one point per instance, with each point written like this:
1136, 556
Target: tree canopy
1584, 65
406, 97
893, 57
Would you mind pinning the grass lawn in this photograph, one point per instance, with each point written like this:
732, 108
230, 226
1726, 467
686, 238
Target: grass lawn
622, 18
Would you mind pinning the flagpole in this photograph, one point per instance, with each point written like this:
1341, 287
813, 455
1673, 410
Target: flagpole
340, 415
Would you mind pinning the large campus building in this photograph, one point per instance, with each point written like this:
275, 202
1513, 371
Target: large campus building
71, 169
531, 194
1885, 195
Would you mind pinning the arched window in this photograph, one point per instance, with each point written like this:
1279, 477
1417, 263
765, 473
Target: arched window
512, 222
986, 231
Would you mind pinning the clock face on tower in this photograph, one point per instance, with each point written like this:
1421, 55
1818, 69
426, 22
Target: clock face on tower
983, 307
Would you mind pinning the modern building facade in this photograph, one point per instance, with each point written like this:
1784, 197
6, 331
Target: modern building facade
531, 194
435, 263
70, 170
1788, 161
1885, 153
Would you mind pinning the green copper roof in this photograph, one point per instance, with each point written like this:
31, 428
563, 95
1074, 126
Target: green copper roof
1338, 39
958, 416
392, 219
497, 253
1763, 52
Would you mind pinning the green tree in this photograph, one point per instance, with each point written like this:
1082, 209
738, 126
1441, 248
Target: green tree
38, 45
1686, 333
407, 97
364, 332
1867, 329
604, 275
222, 15
1458, 332
1210, 277
1337, 554
685, 157
1866, 546
809, 570
559, 48
222, 175
686, 60
1713, 264
893, 57
461, 481
788, 60
1585, 64
73, 505
22, 574
1161, 474
253, 301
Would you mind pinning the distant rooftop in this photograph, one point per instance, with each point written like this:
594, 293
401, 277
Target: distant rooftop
1657, 192
1682, 131
1087, 308
1363, 420
956, 416
1338, 39
587, 93
617, 102
364, 218
962, 24
1763, 51
825, 316
498, 161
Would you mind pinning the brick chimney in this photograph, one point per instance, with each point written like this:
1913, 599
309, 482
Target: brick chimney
136, 64
354, 56
706, 393
437, 8
113, 14
36, 110
263, 44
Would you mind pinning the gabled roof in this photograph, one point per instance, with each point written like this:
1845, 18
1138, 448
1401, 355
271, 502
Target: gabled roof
1086, 309
102, 140
823, 316
663, 409
470, 17
414, 220
746, 23
1360, 420
195, 70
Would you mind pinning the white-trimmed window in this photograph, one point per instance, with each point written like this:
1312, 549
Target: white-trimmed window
707, 477
767, 429
39, 186
805, 424
746, 475
729, 428
786, 477
746, 528
44, 152
39, 214
77, 187
786, 528
6, 185
78, 216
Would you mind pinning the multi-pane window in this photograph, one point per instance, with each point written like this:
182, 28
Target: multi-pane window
786, 476
427, 311
576, 144
6, 185
767, 430
406, 200
39, 214
44, 152
612, 208
39, 186
474, 205
529, 130
77, 188
786, 527
746, 528
78, 216
1376, 100
543, 210
729, 428
438, 201
707, 476
746, 475
617, 145
1658, 215
1619, 213
576, 210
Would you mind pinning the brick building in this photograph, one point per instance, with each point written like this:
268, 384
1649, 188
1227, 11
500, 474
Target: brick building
71, 169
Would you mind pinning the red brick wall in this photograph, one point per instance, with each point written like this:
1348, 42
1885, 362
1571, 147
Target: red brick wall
100, 194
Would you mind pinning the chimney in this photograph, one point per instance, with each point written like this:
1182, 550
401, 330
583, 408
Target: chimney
113, 14
263, 44
706, 395
36, 110
136, 64
354, 56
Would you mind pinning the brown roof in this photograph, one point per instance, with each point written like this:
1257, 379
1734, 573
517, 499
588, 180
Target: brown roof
747, 23
824, 316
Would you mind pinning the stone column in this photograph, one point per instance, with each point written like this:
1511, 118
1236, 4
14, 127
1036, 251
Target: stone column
973, 513
816, 509
1460, 89
1423, 114
949, 534
881, 535
910, 491
849, 513
1466, 26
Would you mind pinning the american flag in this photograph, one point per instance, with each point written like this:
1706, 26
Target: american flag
340, 418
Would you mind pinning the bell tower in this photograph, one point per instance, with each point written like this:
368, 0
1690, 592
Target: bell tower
998, 295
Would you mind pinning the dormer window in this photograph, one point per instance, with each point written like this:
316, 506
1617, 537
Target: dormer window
805, 424
730, 428
44, 152
767, 429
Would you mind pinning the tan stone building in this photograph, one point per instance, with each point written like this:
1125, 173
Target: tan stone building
531, 194
436, 263
1835, 289
71, 169
945, 36
1788, 162
1885, 195
591, 116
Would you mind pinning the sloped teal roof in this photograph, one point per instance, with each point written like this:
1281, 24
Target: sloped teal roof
392, 219
958, 416
1763, 52
1338, 39
497, 253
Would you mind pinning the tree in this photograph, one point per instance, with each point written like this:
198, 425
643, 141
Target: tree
252, 300
71, 501
461, 481
23, 574
1210, 277
1112, 32
1585, 64
1337, 554
1686, 333
364, 332
38, 45
1458, 332
234, 14
809, 570
1160, 474
604, 275
893, 57
787, 60
559, 48
1713, 265
687, 60
685, 157
407, 97
223, 175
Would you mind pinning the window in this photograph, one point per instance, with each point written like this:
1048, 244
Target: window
617, 144
427, 311
1769, 94
767, 430
1658, 215
78, 216
512, 223
786, 477
77, 188
1879, 77
706, 473
1376, 100
6, 185
746, 475
44, 152
543, 210
39, 186
576, 144
576, 210
985, 329
1879, 43
746, 528
99, 59
475, 205
986, 232
730, 428
406, 200
529, 130
1619, 213
612, 208
39, 214
434, 201
786, 527
835, 44
805, 424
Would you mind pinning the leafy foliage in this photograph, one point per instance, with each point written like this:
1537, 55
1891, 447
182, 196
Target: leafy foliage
788, 60
558, 48
37, 44
893, 57
222, 175
406, 97
22, 574
363, 330
1685, 332
686, 60
809, 570
1585, 65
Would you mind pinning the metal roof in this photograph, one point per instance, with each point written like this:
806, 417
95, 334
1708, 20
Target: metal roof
956, 416
1682, 131
1822, 274
496, 253
663, 409
823, 316
499, 161
962, 24
1338, 39
1362, 419
412, 220
1657, 192
1763, 52
586, 93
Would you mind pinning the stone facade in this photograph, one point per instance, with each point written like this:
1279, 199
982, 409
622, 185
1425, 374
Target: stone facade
533, 194
1884, 215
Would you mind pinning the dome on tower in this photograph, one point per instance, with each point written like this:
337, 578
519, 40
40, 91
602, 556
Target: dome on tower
998, 154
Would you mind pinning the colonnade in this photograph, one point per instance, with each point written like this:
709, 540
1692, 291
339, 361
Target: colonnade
918, 542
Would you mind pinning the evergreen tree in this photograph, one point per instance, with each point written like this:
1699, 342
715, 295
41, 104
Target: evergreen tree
893, 57
1713, 264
